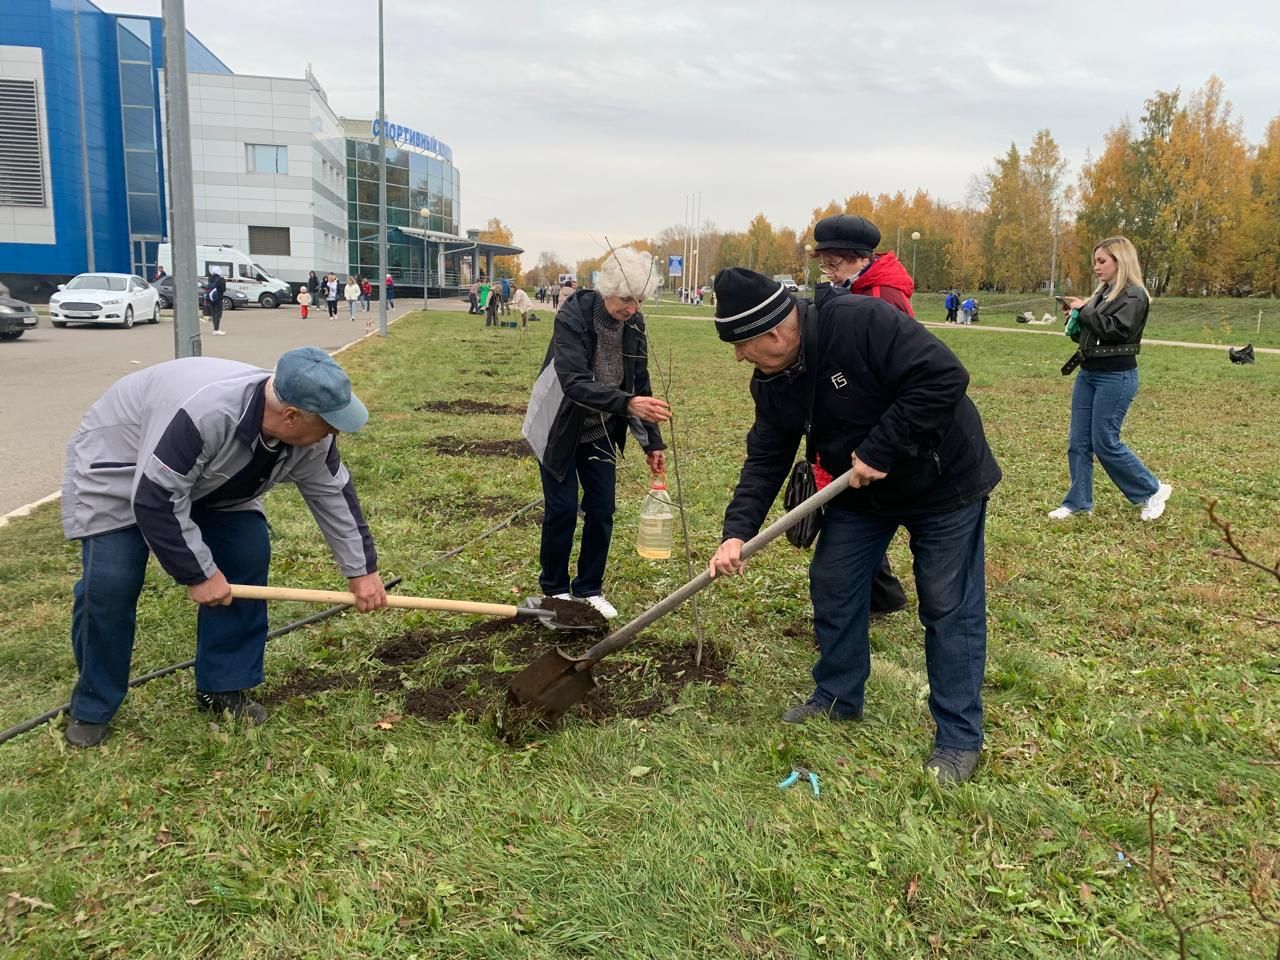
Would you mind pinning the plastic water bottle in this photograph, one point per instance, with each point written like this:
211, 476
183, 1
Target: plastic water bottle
657, 521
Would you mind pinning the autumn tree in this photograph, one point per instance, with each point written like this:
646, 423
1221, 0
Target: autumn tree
498, 232
1261, 228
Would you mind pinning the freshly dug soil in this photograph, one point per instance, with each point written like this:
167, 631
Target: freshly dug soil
637, 683
572, 613
306, 681
469, 406
458, 447
491, 508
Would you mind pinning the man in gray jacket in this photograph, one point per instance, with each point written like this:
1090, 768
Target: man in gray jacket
174, 460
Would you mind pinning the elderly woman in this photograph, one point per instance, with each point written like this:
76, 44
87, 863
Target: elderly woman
594, 383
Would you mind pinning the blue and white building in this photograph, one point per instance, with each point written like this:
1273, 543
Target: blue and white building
276, 173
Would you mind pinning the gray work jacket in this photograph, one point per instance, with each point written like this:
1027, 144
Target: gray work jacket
187, 433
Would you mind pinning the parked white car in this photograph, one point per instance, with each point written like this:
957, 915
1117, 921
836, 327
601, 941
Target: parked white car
118, 298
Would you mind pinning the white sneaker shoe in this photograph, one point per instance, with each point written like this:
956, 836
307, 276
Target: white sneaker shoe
1154, 507
603, 606
219, 333
1062, 513
561, 596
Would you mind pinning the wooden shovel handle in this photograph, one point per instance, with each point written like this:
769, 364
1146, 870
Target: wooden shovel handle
245, 591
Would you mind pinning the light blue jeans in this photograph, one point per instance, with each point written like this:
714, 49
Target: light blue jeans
1099, 402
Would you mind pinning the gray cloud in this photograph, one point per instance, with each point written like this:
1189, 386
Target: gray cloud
574, 119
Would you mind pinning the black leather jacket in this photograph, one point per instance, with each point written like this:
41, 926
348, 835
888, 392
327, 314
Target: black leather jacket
1113, 329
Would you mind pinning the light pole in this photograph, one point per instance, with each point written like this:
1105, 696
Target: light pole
915, 235
425, 213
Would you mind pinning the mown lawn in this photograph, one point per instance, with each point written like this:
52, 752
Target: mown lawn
1227, 321
1122, 655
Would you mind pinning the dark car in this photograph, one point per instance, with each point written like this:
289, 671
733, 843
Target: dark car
16, 317
164, 287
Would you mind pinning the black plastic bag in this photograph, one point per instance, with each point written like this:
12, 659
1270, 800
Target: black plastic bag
800, 487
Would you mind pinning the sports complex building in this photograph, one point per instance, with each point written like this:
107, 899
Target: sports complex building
277, 173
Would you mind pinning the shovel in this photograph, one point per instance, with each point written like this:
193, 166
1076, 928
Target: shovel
556, 681
242, 591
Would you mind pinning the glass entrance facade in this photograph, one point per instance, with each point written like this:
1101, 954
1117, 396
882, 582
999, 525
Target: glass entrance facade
414, 181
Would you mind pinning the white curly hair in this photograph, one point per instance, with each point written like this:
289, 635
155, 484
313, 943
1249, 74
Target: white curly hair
627, 273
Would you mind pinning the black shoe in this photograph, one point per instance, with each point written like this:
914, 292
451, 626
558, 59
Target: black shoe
83, 735
235, 703
953, 765
813, 708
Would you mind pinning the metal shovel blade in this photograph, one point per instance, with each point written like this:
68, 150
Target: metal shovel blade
553, 683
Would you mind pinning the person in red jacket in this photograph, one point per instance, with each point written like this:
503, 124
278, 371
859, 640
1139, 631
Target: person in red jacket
845, 245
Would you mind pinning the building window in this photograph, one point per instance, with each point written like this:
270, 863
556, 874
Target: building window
21, 162
266, 158
269, 241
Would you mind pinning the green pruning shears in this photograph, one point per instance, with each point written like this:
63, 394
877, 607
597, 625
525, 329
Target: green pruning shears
794, 778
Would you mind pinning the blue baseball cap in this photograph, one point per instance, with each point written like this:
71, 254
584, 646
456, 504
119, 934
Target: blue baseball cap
311, 380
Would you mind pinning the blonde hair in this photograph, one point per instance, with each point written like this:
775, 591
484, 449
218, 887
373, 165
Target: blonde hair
627, 273
1128, 269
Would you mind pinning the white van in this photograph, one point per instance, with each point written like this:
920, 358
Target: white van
240, 272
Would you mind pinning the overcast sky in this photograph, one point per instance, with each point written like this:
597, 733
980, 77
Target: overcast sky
576, 119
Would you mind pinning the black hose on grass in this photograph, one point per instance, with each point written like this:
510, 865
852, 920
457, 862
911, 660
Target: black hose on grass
48, 715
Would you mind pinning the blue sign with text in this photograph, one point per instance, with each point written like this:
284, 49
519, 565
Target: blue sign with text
406, 137
675, 265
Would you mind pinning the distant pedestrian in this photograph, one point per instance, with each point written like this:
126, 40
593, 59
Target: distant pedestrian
159, 275
521, 301
352, 293
304, 301
391, 292
967, 307
313, 288
473, 297
555, 295
217, 295
952, 303
491, 306
505, 286
366, 291
331, 295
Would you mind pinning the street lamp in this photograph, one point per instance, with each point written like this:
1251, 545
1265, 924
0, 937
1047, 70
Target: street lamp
915, 235
425, 213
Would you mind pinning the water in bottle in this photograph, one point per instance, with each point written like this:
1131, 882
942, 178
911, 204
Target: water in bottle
657, 521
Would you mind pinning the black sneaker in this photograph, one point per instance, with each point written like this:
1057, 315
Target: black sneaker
953, 765
84, 735
815, 708
235, 703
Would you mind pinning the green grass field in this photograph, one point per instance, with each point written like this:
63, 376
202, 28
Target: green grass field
1121, 655
1219, 320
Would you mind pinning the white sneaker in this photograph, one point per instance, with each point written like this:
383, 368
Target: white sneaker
561, 596
1154, 507
219, 333
1062, 513
603, 606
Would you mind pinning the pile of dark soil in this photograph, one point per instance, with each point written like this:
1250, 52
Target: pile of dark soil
469, 406
474, 680
305, 681
458, 447
572, 613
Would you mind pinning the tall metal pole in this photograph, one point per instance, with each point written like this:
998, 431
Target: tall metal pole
382, 180
684, 254
182, 198
84, 154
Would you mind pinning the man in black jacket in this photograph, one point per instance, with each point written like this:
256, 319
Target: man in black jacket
888, 398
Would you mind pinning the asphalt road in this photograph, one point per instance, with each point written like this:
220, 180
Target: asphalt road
50, 377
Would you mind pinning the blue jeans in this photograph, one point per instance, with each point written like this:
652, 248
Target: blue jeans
229, 640
949, 552
1099, 402
595, 467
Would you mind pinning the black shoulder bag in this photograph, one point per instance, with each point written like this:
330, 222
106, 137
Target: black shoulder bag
801, 485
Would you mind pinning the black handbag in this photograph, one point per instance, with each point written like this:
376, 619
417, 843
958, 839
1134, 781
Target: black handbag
801, 486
